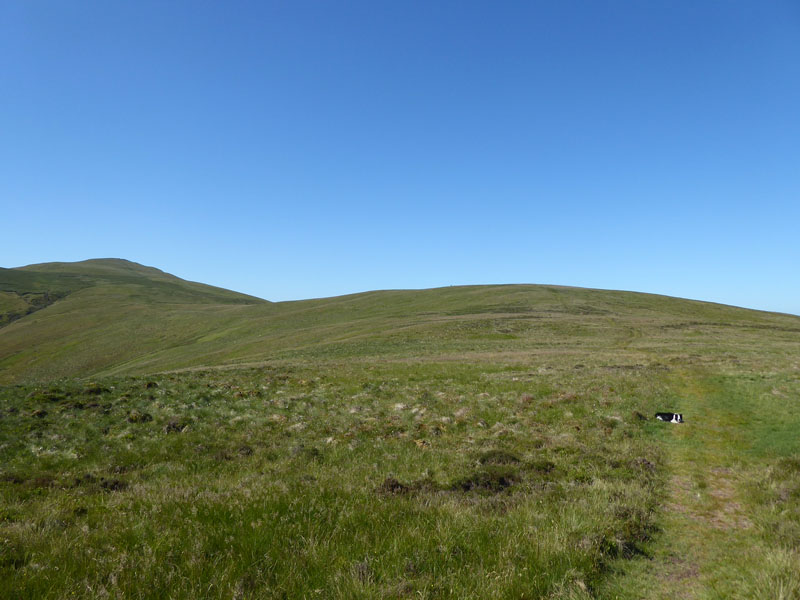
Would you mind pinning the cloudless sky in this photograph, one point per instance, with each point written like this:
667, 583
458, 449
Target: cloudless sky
302, 149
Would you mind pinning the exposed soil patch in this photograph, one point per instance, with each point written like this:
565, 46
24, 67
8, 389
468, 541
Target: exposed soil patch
492, 480
245, 450
306, 452
85, 479
113, 485
645, 464
122, 469
103, 483
728, 512
393, 487
725, 513
95, 389
175, 426
49, 395
681, 569
136, 416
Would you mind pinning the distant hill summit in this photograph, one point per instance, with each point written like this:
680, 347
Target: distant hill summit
61, 318
63, 278
109, 316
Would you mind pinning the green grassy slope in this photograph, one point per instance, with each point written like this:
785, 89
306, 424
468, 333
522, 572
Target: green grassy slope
60, 319
464, 442
66, 278
114, 317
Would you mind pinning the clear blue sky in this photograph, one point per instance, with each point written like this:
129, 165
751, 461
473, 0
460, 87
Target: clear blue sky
303, 149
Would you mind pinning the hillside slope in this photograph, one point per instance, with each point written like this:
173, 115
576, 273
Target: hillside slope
65, 278
60, 319
484, 442
110, 317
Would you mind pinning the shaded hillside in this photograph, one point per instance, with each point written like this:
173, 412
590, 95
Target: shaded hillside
115, 317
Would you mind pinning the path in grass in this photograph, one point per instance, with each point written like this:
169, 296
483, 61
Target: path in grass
705, 529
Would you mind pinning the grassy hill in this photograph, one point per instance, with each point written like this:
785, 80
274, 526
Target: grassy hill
160, 438
60, 319
111, 317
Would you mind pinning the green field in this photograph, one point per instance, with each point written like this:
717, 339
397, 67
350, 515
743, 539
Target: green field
166, 439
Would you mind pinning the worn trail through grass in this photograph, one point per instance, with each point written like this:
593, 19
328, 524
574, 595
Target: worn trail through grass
707, 535
705, 521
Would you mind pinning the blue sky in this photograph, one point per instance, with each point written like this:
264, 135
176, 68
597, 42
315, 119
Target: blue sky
304, 149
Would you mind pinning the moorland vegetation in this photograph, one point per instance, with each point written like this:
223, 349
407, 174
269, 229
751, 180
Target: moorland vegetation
166, 439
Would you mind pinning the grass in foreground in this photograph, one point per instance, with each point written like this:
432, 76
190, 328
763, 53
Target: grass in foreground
730, 527
392, 479
370, 481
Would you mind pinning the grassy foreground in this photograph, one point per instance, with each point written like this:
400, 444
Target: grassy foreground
457, 443
371, 481
401, 480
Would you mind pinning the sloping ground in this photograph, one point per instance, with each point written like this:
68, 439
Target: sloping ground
66, 278
15, 305
62, 319
483, 442
731, 513
117, 317
503, 475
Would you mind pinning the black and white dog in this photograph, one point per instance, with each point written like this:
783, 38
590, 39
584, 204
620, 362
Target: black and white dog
671, 417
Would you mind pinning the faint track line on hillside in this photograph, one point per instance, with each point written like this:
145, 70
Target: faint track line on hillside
704, 520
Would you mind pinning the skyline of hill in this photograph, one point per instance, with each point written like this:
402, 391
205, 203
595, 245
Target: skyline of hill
112, 316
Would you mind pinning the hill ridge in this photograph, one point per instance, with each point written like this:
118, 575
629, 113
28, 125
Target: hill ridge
116, 316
